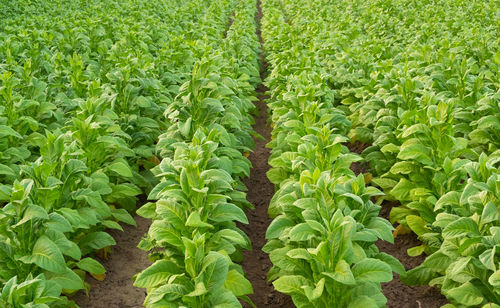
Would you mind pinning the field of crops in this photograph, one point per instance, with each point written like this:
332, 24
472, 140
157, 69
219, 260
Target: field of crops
249, 153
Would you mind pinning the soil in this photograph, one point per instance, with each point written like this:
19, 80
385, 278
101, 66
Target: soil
256, 263
359, 167
229, 24
400, 295
124, 261
357, 146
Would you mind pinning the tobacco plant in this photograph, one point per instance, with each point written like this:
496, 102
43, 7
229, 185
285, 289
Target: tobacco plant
194, 240
466, 265
425, 106
82, 100
322, 242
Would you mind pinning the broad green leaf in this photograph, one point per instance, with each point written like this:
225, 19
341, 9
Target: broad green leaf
394, 263
417, 152
402, 190
194, 220
462, 227
215, 269
491, 305
415, 128
490, 213
466, 294
416, 251
6, 170
66, 246
223, 299
494, 279
162, 232
402, 167
301, 232
451, 198
33, 212
199, 290
487, 258
96, 240
363, 302
372, 270
234, 237
385, 183
277, 175
456, 268
8, 131
299, 253
290, 284
68, 280
121, 168
342, 273
237, 283
148, 210
383, 227
157, 274
92, 266
111, 224
418, 276
47, 255
316, 292
57, 222
417, 225
123, 216
438, 261
277, 226
169, 292
227, 212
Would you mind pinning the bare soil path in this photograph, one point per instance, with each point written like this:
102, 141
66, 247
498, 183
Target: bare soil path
124, 261
256, 263
400, 295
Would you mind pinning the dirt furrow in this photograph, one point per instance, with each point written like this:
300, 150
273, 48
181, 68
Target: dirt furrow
256, 263
398, 294
124, 261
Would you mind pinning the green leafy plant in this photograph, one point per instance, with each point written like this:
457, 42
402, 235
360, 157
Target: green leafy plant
466, 264
194, 240
322, 239
322, 242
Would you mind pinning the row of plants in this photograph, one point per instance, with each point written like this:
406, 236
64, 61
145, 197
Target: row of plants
322, 238
419, 82
82, 99
194, 241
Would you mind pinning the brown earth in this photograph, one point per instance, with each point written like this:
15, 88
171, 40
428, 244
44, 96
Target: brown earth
400, 295
357, 146
256, 263
124, 261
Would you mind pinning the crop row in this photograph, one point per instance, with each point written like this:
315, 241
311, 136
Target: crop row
194, 240
83, 91
419, 84
435, 138
322, 239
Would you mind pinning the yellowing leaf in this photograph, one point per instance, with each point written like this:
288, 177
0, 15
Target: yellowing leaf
400, 230
99, 277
